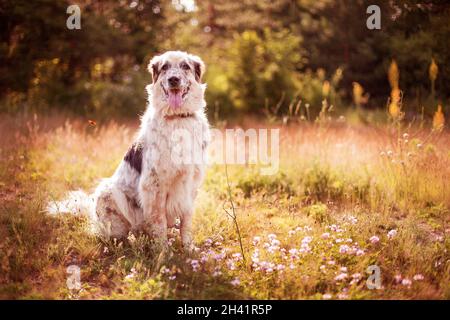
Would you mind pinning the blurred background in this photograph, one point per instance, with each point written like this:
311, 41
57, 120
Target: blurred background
264, 58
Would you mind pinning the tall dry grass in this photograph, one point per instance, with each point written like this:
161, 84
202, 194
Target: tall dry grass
345, 197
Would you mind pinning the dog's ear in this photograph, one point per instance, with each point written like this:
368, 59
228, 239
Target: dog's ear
199, 67
154, 68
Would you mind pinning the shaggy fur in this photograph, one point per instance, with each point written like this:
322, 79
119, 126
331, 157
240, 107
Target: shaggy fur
156, 183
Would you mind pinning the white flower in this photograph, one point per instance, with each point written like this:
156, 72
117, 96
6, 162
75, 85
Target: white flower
344, 249
341, 277
235, 282
398, 278
374, 239
325, 235
406, 282
391, 234
256, 240
418, 277
327, 296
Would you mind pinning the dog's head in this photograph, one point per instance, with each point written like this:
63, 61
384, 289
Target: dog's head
176, 86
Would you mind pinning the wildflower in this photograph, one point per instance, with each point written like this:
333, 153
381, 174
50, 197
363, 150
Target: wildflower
292, 266
195, 265
418, 277
342, 296
390, 153
230, 264
237, 256
256, 240
306, 240
105, 250
327, 296
344, 249
405, 136
360, 252
349, 240
280, 267
331, 262
272, 236
392, 233
356, 277
398, 278
339, 240
219, 256
374, 239
406, 282
325, 235
172, 277
235, 282
322, 267
170, 241
208, 242
291, 233
341, 276
217, 272
419, 145
132, 274
343, 269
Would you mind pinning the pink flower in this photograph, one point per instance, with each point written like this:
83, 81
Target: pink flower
398, 278
325, 235
341, 277
360, 252
327, 296
256, 240
235, 282
406, 282
272, 236
342, 296
280, 267
391, 234
344, 249
418, 277
374, 239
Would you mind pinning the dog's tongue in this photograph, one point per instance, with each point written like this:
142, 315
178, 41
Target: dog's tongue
175, 99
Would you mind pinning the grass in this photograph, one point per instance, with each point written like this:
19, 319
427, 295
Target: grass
308, 232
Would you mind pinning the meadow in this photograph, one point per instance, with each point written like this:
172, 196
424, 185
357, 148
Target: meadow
348, 195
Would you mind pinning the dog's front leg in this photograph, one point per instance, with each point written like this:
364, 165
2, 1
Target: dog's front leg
153, 205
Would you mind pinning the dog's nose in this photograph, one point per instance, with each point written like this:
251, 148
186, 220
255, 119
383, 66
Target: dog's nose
174, 81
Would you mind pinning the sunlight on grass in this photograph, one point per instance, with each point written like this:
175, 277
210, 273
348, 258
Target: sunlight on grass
345, 197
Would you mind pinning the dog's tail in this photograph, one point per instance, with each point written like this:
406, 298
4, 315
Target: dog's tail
76, 203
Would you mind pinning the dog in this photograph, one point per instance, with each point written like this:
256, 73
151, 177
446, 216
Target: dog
156, 183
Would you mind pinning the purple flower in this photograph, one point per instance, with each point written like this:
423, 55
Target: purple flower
374, 239
391, 234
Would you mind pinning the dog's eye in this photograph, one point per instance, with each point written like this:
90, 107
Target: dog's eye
185, 66
165, 67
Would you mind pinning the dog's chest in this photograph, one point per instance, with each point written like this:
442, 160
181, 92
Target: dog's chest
176, 147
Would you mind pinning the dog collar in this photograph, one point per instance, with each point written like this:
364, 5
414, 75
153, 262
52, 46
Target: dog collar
179, 115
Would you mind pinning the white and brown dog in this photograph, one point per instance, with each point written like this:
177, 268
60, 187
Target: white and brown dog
156, 183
